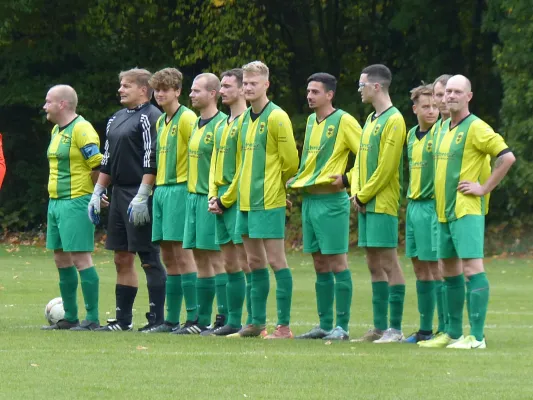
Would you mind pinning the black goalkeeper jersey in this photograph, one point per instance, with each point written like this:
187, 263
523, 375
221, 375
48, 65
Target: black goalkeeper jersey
129, 146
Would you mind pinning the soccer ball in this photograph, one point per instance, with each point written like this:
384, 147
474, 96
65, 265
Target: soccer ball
54, 310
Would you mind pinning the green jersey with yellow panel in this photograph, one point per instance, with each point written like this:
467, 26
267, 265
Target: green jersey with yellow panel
421, 163
226, 160
326, 148
173, 146
377, 175
74, 151
461, 155
200, 152
270, 158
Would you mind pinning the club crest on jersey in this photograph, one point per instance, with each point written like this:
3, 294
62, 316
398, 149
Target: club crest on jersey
262, 128
208, 137
459, 137
174, 130
330, 131
376, 129
233, 131
429, 146
65, 140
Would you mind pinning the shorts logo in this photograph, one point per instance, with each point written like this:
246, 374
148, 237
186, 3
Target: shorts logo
330, 131
459, 137
174, 130
262, 128
208, 137
376, 129
233, 132
429, 146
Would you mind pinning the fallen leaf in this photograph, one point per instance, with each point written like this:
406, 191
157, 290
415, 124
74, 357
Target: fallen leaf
142, 348
34, 365
328, 342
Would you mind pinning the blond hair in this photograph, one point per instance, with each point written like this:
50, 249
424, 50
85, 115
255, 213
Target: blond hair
256, 67
140, 77
422, 90
167, 78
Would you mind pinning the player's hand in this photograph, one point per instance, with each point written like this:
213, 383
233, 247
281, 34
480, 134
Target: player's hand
138, 212
94, 203
337, 181
290, 181
214, 207
472, 188
361, 209
288, 204
104, 201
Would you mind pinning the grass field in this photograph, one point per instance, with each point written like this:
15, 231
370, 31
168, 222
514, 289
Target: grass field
130, 365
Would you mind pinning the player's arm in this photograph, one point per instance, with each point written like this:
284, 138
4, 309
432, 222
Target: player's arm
393, 138
281, 127
213, 189
230, 197
2, 163
486, 170
351, 135
489, 142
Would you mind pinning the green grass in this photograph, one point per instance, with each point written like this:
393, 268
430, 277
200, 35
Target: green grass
67, 365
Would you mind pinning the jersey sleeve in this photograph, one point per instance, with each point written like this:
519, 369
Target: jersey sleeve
393, 139
86, 139
230, 197
486, 171
486, 140
153, 151
106, 165
351, 131
213, 189
281, 127
148, 124
2, 163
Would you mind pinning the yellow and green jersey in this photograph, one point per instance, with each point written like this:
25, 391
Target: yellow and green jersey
377, 174
173, 145
326, 148
461, 155
200, 152
226, 160
269, 159
421, 163
73, 153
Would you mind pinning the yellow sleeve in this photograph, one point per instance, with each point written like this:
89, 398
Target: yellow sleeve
230, 197
353, 178
87, 140
486, 140
187, 122
486, 171
392, 141
281, 127
213, 189
351, 131
158, 123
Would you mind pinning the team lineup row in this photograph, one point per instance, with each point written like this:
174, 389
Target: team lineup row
217, 215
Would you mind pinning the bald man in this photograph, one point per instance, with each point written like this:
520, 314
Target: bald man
74, 158
199, 291
460, 154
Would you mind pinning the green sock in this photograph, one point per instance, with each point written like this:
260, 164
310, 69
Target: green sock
479, 301
174, 291
468, 293
456, 303
425, 291
343, 296
440, 306
396, 298
380, 304
283, 295
188, 284
236, 290
205, 290
259, 295
68, 286
90, 287
221, 280
325, 297
249, 298
445, 308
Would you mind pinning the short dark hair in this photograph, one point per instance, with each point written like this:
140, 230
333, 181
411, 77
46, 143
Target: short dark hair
443, 79
328, 80
236, 72
379, 73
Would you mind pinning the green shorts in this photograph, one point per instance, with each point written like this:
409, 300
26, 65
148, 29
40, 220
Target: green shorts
377, 230
463, 238
261, 224
68, 225
421, 230
199, 224
326, 222
169, 209
225, 226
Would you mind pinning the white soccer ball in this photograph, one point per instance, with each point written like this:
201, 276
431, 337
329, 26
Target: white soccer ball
54, 310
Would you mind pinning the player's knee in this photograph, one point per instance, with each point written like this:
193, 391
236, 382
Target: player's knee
82, 260
255, 262
151, 264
